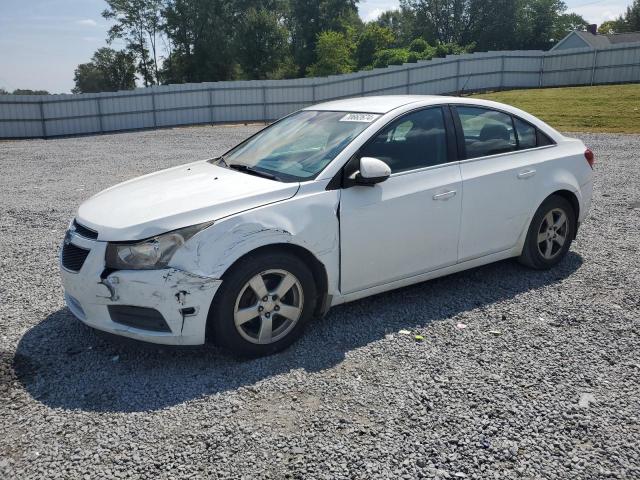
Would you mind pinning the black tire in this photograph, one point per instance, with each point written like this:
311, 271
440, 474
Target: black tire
221, 327
533, 252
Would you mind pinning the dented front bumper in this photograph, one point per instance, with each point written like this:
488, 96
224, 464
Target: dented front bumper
182, 298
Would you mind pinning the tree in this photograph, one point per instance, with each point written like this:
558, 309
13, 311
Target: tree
333, 53
201, 34
401, 22
537, 22
261, 41
567, 23
27, 91
488, 23
139, 23
492, 24
391, 56
442, 21
108, 71
419, 45
3, 91
632, 17
306, 20
609, 27
372, 39
630, 21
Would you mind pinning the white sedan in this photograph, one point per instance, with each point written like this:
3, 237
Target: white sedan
330, 204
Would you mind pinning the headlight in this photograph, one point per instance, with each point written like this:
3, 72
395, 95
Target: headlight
153, 253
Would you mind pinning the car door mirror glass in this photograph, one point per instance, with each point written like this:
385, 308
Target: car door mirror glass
372, 171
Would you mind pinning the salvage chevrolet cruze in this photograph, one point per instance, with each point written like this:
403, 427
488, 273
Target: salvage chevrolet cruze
330, 204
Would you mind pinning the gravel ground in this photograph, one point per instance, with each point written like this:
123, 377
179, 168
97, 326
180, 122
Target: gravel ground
543, 382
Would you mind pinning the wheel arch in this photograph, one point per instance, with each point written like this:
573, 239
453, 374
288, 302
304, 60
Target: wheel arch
529, 259
568, 195
318, 269
571, 198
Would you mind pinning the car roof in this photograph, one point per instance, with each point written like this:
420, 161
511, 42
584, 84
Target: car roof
374, 104
387, 103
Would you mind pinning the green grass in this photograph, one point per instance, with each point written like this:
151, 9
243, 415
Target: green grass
606, 108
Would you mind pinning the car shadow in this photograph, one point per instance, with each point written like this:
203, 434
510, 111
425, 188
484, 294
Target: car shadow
64, 364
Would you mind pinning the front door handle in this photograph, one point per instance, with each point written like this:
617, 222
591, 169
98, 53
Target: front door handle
526, 174
445, 195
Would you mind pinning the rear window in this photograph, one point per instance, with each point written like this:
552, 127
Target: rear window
490, 132
544, 140
486, 132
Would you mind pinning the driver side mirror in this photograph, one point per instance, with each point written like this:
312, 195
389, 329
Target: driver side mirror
372, 171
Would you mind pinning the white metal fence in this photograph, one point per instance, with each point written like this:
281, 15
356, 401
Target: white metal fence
261, 100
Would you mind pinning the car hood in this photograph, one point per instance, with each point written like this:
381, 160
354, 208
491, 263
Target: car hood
175, 198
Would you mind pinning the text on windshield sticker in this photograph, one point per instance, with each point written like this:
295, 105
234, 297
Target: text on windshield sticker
359, 117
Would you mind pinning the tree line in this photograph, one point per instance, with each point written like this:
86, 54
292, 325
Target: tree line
180, 41
627, 22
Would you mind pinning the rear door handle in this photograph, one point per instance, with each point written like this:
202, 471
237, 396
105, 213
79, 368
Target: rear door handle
445, 195
526, 174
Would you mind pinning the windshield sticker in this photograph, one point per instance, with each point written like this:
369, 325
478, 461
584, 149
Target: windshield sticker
360, 117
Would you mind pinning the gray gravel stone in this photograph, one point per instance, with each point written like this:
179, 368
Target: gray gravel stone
354, 398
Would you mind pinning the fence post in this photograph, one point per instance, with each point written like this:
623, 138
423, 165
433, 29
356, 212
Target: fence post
313, 91
408, 79
362, 86
153, 106
264, 103
502, 72
593, 69
541, 70
211, 105
99, 114
43, 122
458, 76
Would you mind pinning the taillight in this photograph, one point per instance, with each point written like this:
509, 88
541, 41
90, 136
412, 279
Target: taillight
591, 158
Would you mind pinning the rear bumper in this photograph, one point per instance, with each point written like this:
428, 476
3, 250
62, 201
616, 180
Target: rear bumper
586, 194
182, 298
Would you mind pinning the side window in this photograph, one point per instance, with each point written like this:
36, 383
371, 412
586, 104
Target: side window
543, 140
486, 132
526, 134
416, 140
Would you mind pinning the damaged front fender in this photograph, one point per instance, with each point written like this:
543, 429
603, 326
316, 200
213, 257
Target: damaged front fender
309, 220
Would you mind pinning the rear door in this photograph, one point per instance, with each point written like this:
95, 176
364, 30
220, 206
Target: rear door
500, 179
408, 224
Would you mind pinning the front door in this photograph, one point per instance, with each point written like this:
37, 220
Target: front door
408, 224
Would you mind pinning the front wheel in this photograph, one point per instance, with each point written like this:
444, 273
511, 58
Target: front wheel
263, 304
550, 234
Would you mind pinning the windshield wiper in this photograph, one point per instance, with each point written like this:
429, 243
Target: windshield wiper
252, 171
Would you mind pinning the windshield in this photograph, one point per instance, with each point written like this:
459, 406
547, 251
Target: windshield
298, 147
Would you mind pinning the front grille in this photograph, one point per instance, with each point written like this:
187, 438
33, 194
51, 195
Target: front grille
84, 231
73, 257
138, 317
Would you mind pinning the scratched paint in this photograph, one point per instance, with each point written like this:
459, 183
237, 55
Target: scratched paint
311, 222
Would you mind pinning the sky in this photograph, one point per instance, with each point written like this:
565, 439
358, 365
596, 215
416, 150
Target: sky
43, 41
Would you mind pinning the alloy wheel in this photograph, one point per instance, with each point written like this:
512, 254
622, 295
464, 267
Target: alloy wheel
552, 233
268, 306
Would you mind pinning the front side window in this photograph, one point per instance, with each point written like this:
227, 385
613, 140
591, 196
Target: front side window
298, 147
486, 132
416, 140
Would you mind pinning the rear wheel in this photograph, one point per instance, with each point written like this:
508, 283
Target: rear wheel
263, 304
550, 234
